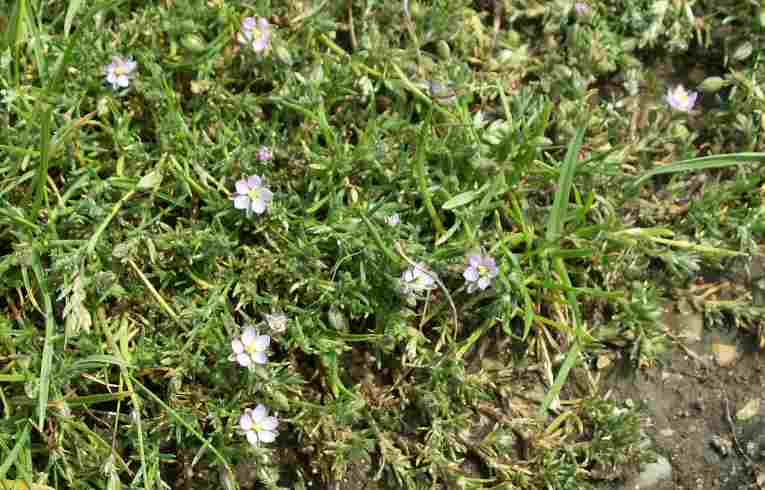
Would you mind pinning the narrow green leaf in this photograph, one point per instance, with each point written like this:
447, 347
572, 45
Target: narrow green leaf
464, 198
703, 163
21, 440
50, 327
71, 11
565, 182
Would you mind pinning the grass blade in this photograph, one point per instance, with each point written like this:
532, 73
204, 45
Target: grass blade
50, 327
23, 439
566, 180
703, 163
71, 11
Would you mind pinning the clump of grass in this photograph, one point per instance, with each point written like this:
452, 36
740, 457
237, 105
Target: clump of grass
307, 245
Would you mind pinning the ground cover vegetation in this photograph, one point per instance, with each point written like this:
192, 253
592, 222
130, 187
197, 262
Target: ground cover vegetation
362, 244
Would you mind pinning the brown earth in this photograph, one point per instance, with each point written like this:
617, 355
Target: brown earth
705, 408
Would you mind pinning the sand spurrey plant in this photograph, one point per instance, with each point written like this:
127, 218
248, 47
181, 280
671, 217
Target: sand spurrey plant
126, 258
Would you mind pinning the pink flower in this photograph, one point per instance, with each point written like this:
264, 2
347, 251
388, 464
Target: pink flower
680, 99
417, 279
256, 32
119, 71
582, 8
264, 154
481, 271
258, 426
252, 195
250, 348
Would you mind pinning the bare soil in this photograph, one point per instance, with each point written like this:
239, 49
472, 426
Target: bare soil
695, 411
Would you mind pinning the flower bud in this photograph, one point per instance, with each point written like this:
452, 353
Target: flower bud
283, 54
711, 85
742, 51
194, 43
680, 132
444, 51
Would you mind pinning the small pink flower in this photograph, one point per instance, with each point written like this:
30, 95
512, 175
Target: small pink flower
256, 32
417, 279
264, 154
680, 99
252, 195
119, 71
582, 8
258, 426
250, 348
481, 271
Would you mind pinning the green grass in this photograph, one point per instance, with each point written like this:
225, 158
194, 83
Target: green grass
530, 134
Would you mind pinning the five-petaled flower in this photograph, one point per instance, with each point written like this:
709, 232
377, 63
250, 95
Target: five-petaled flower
258, 426
481, 271
256, 32
252, 195
681, 99
264, 154
250, 348
119, 71
417, 279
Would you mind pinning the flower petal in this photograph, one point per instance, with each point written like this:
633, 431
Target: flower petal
249, 23
244, 359
254, 181
259, 413
241, 186
248, 336
241, 202
261, 342
269, 423
258, 206
237, 346
252, 437
266, 436
471, 274
245, 421
259, 357
260, 44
